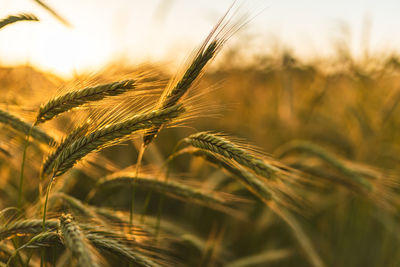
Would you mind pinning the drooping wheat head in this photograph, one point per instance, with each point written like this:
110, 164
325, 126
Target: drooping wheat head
222, 146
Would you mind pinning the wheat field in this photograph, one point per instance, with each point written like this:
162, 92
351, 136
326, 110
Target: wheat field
276, 163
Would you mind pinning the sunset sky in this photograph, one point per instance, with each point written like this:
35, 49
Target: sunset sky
167, 30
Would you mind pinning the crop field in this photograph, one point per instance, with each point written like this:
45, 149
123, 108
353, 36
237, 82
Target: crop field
274, 163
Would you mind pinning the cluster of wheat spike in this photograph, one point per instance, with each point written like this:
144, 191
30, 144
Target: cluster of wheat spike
44, 223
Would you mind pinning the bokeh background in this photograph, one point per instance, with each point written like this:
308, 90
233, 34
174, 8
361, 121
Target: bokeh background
165, 30
325, 72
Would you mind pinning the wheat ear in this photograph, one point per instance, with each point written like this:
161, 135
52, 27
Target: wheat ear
327, 156
24, 127
172, 188
76, 204
78, 98
114, 246
222, 146
31, 226
40, 240
250, 181
182, 86
260, 190
111, 133
48, 164
15, 18
76, 241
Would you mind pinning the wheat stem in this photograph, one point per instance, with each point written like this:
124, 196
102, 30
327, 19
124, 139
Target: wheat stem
133, 182
46, 200
21, 178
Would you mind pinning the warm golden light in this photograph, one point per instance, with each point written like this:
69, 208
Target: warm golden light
155, 30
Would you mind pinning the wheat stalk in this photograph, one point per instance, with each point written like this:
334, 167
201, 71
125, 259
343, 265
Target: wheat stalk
78, 98
15, 18
76, 241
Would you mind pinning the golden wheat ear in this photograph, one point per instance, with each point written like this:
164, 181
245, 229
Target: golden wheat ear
328, 157
265, 181
222, 146
184, 81
75, 240
173, 188
81, 97
111, 134
48, 164
377, 185
24, 127
15, 18
25, 227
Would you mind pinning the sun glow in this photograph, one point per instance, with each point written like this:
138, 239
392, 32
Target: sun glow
56, 48
162, 30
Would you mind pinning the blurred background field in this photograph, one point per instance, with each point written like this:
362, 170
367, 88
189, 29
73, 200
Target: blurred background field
345, 101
